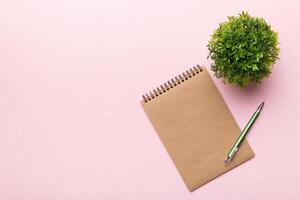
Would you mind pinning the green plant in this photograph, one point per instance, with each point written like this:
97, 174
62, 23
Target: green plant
243, 50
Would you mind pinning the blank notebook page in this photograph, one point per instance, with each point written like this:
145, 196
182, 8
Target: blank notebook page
195, 126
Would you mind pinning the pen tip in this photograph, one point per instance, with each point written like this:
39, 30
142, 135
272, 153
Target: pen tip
227, 160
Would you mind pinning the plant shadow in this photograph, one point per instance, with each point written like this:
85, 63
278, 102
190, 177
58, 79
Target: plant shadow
253, 92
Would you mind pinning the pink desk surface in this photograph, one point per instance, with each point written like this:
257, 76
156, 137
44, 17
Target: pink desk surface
71, 78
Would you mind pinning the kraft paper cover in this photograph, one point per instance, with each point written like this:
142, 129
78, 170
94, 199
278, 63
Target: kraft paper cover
197, 129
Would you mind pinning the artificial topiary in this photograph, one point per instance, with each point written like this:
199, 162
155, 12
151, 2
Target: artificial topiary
243, 50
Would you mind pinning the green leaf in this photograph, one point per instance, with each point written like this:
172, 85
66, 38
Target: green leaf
254, 67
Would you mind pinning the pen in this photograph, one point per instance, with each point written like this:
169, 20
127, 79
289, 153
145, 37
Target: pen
243, 134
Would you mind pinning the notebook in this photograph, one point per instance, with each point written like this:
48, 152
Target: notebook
195, 126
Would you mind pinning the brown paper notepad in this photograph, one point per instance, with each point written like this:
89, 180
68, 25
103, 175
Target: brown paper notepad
195, 126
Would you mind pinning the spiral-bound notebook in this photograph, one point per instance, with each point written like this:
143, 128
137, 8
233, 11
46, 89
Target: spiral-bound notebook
195, 126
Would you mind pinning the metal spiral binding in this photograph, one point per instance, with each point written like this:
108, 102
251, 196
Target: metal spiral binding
172, 83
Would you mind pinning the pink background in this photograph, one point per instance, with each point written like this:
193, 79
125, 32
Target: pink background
71, 78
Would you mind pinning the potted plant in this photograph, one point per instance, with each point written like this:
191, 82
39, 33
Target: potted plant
243, 50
